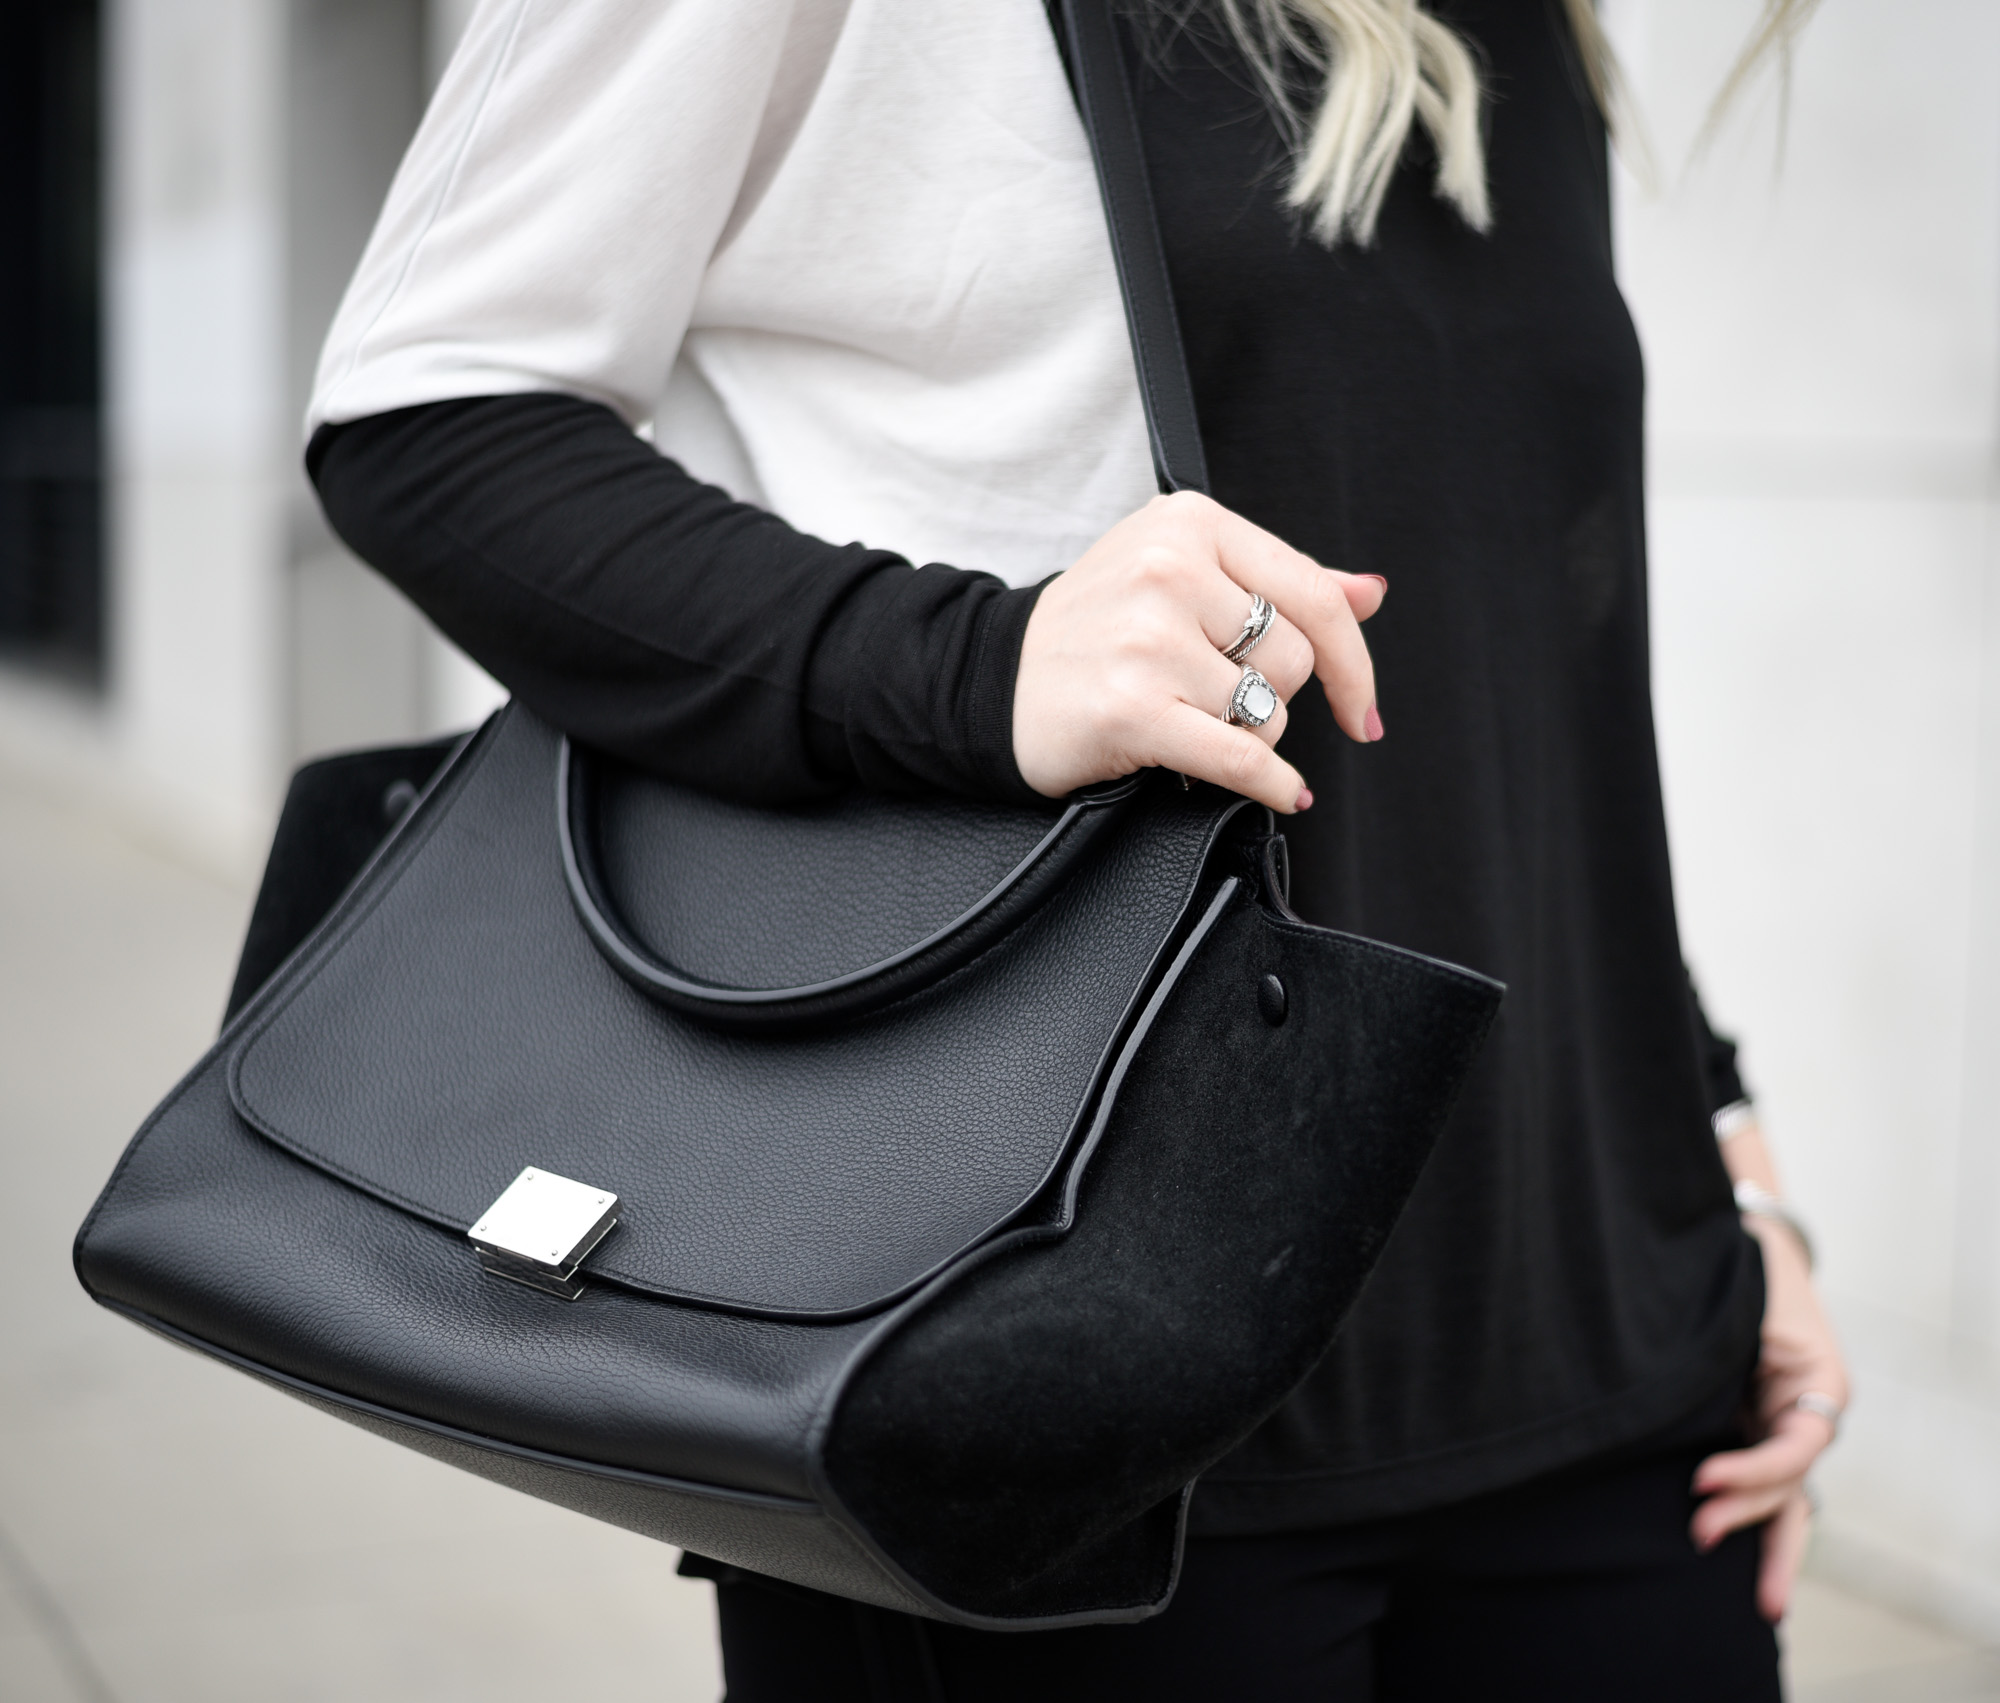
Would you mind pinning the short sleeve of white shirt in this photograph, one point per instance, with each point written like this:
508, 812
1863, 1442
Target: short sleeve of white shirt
847, 260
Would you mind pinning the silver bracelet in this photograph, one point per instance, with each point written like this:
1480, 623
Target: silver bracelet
1733, 1120
1755, 1200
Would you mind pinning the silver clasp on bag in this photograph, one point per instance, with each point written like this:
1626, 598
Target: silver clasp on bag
541, 1229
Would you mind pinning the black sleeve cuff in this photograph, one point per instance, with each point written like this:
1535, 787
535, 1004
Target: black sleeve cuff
912, 687
1718, 1058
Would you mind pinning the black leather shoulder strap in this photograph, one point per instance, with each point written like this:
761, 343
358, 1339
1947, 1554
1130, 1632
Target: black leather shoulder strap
1087, 31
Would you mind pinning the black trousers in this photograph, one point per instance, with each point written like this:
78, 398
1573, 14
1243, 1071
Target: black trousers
1581, 1589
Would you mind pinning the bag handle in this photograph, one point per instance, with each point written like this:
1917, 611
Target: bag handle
1088, 34
866, 988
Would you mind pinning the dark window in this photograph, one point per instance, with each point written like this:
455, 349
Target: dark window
51, 507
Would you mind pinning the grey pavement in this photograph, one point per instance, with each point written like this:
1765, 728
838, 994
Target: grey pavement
172, 1533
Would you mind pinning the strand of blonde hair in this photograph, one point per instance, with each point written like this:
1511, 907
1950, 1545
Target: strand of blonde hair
1376, 67
1380, 65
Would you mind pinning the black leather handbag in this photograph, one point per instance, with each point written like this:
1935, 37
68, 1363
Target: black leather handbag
903, 1199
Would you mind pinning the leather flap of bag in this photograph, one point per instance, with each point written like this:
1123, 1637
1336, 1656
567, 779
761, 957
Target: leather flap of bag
454, 1023
760, 918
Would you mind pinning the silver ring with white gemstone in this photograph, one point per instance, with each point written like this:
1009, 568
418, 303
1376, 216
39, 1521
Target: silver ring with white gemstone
1254, 702
1255, 625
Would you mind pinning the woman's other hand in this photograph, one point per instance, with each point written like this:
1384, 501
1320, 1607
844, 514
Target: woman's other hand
1122, 665
1766, 1483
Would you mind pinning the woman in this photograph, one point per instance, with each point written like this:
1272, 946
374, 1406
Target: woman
845, 263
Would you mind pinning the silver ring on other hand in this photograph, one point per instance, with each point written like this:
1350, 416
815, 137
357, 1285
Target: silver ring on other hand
1821, 1407
1254, 702
1255, 625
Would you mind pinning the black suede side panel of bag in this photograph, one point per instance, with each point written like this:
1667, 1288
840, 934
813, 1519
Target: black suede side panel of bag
938, 1308
1255, 1158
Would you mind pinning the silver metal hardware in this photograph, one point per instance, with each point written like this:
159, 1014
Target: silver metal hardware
1255, 625
1254, 702
1760, 1202
541, 1229
1821, 1406
1733, 1120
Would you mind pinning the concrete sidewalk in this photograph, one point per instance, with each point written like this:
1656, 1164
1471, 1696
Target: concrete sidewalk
172, 1533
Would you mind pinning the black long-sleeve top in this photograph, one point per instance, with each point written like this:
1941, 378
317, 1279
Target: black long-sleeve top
1460, 413
654, 616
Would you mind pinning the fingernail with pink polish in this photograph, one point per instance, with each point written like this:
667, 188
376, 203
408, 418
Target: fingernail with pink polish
1305, 799
1371, 724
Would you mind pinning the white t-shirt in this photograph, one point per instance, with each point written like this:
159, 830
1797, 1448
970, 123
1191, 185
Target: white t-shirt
845, 258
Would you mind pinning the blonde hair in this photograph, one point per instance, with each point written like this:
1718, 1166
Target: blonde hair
1375, 67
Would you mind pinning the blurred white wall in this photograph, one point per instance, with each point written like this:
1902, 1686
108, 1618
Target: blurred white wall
195, 317
250, 143
1823, 346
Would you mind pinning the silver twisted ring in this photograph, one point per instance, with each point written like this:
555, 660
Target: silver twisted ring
1821, 1406
1255, 625
1254, 702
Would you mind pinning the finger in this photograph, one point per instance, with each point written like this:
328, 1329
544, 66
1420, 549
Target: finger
1205, 516
1785, 1540
1781, 1411
1784, 1455
1223, 608
1206, 749
1716, 1518
1285, 657
1316, 601
1364, 592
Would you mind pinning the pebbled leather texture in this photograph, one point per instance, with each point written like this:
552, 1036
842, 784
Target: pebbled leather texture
732, 897
214, 1231
773, 920
799, 1175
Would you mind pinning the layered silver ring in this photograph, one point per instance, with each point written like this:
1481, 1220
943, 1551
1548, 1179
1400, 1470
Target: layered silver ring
1254, 702
1255, 625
